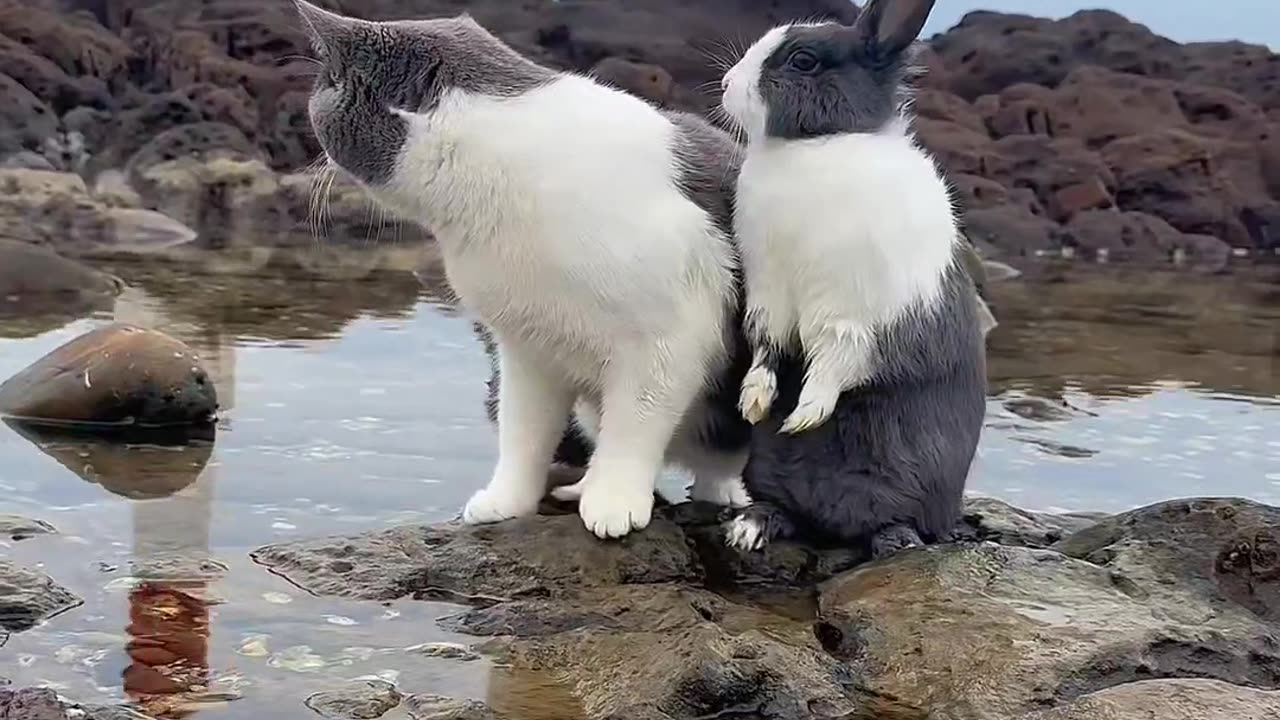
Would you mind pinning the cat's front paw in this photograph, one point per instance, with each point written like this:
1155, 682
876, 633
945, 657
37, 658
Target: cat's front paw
759, 390
809, 414
496, 503
725, 492
610, 511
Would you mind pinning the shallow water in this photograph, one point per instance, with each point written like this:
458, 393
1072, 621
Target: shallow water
358, 403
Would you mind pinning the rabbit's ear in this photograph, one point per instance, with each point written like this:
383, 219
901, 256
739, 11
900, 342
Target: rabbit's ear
888, 27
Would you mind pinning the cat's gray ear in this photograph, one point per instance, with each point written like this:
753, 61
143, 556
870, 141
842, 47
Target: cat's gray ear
888, 27
327, 31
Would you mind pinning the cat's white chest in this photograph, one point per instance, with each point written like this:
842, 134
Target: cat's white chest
563, 229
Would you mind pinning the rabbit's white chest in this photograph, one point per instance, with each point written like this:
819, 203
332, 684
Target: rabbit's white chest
855, 227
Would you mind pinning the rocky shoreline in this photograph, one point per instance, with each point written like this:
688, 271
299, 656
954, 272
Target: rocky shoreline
1167, 611
1089, 135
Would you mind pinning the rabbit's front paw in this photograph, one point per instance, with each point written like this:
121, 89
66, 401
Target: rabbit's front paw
809, 414
759, 390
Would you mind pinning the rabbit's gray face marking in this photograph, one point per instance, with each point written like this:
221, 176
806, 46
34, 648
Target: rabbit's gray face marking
824, 80
804, 81
375, 72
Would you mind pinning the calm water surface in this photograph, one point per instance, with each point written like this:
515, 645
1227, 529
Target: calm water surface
355, 404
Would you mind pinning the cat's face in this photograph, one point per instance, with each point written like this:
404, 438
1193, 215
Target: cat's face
376, 75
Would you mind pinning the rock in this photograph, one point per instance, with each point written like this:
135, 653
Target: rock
957, 148
20, 528
438, 707
31, 274
1138, 235
28, 598
200, 141
1091, 194
56, 209
648, 81
31, 704
27, 160
1005, 524
25, 120
1170, 174
444, 651
628, 621
361, 700
47, 81
44, 704
1013, 230
118, 374
530, 557
1184, 589
1174, 698
112, 188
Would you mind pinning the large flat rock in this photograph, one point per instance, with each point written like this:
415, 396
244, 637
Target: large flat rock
1064, 618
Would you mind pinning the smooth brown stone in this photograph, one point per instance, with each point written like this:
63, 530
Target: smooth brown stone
119, 374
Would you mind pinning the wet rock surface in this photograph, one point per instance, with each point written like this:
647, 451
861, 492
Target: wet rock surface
1031, 616
438, 707
1175, 699
363, 700
116, 375
19, 528
44, 704
28, 597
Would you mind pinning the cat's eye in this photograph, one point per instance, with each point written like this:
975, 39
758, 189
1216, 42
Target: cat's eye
803, 60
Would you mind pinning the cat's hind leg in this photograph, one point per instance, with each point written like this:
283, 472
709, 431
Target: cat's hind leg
757, 526
717, 478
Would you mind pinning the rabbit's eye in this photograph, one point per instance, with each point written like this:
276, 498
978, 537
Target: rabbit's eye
803, 60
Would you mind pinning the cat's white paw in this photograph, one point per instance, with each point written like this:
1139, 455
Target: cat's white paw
745, 534
568, 493
613, 511
496, 503
759, 390
809, 414
723, 491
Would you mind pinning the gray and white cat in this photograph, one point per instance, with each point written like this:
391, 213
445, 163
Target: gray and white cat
589, 231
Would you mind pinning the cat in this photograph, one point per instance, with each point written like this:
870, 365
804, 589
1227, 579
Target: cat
589, 231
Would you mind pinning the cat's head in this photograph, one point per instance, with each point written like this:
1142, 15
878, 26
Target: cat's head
376, 76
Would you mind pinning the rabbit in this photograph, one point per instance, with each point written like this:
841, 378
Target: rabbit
588, 231
867, 385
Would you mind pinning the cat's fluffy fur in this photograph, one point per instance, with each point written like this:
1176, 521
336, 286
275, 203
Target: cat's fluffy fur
570, 222
868, 377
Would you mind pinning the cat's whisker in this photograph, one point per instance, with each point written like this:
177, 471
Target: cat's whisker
304, 58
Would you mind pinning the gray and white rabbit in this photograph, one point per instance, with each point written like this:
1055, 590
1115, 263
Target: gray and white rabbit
590, 233
868, 380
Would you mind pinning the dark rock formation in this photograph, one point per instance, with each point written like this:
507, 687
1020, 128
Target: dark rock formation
1037, 121
115, 375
